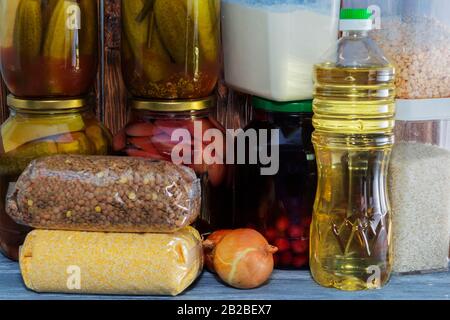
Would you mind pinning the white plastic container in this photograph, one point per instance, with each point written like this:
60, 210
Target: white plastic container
271, 46
419, 184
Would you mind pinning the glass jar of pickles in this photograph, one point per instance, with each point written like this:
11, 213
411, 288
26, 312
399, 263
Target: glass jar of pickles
48, 48
177, 131
280, 206
170, 48
41, 128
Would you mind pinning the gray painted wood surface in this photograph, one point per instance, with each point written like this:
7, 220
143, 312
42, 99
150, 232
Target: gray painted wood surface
285, 285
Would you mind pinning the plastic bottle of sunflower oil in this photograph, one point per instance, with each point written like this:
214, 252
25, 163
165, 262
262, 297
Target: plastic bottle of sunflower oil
354, 107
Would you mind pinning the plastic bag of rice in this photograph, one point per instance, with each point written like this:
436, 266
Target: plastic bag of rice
419, 183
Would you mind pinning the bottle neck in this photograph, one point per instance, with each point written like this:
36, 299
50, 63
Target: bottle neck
355, 33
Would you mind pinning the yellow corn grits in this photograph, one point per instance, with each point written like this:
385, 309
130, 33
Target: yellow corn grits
111, 263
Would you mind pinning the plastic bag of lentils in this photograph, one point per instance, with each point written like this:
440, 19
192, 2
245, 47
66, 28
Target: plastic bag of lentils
110, 194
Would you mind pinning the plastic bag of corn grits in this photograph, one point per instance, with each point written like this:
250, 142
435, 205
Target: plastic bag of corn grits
111, 263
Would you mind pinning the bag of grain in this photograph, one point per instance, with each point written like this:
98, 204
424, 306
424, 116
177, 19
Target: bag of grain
107, 194
111, 263
419, 183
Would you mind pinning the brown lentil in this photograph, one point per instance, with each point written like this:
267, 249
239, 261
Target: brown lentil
111, 204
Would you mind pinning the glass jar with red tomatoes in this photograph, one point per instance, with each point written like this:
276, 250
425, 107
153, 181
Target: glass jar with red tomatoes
280, 206
184, 132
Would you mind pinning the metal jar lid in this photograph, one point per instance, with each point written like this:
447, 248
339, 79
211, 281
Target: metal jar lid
173, 105
42, 105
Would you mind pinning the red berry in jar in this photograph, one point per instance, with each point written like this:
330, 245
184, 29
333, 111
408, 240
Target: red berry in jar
300, 261
271, 234
282, 244
286, 259
300, 246
296, 231
282, 223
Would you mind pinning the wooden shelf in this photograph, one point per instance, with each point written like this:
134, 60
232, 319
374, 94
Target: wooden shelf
285, 285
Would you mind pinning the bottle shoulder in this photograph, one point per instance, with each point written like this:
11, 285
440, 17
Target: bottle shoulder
357, 52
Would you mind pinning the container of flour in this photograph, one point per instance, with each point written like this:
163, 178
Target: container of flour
271, 46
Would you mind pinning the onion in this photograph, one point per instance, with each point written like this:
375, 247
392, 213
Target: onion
209, 245
244, 259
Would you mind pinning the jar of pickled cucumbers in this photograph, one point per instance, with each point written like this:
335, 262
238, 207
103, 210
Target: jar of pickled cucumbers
280, 205
183, 132
171, 48
48, 48
41, 128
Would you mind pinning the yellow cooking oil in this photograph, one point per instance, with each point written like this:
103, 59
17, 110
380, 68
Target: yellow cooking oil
354, 121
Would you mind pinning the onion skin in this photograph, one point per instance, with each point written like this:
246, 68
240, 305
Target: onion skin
210, 244
244, 259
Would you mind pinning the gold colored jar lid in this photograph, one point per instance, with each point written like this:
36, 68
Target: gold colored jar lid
173, 105
38, 105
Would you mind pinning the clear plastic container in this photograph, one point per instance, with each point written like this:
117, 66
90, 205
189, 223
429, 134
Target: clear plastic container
271, 46
152, 133
49, 48
36, 129
171, 48
415, 35
419, 179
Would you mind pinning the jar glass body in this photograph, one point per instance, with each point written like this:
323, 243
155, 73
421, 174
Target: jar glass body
48, 48
280, 206
27, 135
171, 49
151, 134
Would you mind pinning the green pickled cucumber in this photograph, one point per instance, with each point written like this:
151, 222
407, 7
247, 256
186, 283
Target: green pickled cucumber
142, 37
89, 27
175, 25
59, 40
48, 6
208, 28
157, 66
8, 17
28, 29
135, 31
